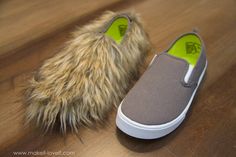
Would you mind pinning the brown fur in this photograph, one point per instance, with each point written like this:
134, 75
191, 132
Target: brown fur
79, 85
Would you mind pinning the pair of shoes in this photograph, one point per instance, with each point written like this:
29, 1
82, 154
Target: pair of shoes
81, 83
159, 101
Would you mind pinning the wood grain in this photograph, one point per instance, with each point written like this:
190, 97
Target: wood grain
210, 126
37, 19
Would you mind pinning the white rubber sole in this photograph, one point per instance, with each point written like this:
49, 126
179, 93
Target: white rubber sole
143, 131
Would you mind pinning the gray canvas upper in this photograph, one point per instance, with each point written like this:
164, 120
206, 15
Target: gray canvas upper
161, 93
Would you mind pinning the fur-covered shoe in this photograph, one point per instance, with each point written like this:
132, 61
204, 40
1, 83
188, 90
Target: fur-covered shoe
79, 85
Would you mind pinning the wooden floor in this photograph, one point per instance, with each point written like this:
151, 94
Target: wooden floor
32, 31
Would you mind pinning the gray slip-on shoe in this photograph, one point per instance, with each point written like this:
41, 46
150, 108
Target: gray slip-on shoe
159, 101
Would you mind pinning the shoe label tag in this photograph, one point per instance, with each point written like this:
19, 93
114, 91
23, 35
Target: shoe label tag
122, 29
192, 47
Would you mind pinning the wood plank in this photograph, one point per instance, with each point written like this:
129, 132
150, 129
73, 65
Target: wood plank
208, 130
23, 22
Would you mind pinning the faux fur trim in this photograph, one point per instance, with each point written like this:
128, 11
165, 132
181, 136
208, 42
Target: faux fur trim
79, 85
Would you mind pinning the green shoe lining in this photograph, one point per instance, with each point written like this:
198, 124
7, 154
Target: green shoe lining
188, 47
117, 29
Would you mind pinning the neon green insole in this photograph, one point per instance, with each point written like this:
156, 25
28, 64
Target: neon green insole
188, 48
117, 29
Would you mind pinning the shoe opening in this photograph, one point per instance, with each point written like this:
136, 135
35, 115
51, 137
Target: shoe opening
117, 29
187, 47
